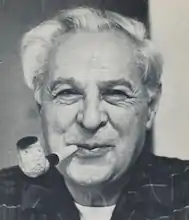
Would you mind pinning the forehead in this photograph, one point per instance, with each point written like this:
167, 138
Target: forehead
93, 57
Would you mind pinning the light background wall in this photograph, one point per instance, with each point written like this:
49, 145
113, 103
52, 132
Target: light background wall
170, 31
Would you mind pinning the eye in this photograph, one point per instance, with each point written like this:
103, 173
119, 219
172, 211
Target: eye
115, 92
67, 92
67, 96
114, 96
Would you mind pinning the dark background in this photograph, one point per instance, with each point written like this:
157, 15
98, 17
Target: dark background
18, 113
33, 11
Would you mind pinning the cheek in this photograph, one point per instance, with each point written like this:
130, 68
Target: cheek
130, 124
60, 117
56, 120
125, 119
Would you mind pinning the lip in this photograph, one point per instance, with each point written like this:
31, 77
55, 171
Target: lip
92, 151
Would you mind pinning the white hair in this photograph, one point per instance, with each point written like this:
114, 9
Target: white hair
38, 42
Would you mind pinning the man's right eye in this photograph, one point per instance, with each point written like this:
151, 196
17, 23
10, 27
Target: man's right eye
67, 96
67, 92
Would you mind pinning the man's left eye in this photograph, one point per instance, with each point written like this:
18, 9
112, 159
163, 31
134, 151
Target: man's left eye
115, 92
115, 95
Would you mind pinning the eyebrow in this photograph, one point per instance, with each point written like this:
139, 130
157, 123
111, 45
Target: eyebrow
119, 82
69, 81
103, 85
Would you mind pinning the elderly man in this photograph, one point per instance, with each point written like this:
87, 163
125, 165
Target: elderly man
96, 80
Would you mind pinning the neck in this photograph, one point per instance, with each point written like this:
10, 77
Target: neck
101, 195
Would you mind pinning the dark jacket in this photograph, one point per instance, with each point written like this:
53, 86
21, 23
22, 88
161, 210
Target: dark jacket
158, 188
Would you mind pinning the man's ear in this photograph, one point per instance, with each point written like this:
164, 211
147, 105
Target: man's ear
153, 104
37, 85
37, 95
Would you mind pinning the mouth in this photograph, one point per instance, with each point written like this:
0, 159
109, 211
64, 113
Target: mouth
92, 151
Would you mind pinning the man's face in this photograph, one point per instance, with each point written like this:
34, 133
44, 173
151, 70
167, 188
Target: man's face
94, 98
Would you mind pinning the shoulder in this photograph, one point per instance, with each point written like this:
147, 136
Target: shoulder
175, 172
150, 162
10, 193
162, 184
10, 172
160, 169
11, 182
173, 166
169, 179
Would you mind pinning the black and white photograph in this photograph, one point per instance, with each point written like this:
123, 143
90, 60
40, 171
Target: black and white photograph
94, 110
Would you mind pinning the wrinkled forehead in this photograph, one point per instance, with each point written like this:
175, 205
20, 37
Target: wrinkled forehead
89, 55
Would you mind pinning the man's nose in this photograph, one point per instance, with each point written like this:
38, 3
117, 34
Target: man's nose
92, 117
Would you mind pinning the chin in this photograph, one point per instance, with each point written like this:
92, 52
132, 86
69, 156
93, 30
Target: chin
88, 175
